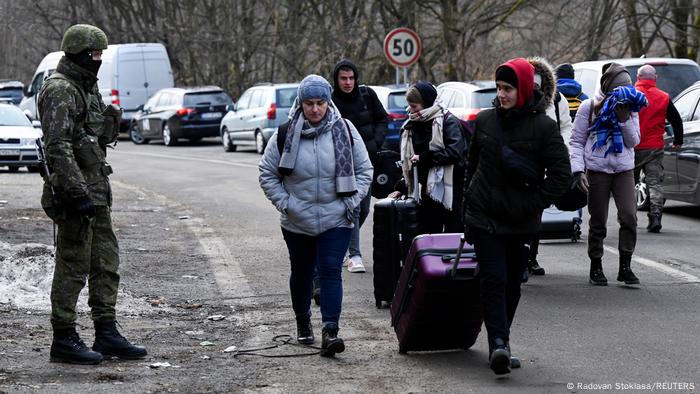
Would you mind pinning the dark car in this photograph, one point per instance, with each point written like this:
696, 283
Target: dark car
12, 90
393, 97
192, 113
682, 166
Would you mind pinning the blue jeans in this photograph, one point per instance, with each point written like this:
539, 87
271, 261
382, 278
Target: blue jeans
324, 253
360, 214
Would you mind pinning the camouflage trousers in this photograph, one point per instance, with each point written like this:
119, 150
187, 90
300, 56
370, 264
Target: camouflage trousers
651, 162
85, 250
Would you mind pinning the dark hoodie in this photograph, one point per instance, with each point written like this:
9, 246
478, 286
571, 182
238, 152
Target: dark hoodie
494, 200
365, 111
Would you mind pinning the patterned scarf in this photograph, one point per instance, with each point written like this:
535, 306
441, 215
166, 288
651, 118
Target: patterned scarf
300, 128
607, 126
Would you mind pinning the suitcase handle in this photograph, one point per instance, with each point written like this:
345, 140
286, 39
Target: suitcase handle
453, 272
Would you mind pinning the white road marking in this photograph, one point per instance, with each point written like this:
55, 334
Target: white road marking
229, 276
180, 158
664, 269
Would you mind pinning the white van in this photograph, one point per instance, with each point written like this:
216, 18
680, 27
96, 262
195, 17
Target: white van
129, 75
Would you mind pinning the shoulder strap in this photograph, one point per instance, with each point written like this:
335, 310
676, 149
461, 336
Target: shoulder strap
364, 94
556, 110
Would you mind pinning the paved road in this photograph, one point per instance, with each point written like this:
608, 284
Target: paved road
566, 331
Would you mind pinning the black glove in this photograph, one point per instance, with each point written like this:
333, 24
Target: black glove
85, 207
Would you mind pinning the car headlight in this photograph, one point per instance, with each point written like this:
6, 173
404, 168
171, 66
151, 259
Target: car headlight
27, 142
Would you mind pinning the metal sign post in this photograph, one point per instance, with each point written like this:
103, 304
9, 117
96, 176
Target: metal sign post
402, 48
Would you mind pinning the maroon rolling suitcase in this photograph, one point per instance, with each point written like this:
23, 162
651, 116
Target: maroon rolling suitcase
436, 305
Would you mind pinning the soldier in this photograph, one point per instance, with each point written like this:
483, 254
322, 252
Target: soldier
77, 196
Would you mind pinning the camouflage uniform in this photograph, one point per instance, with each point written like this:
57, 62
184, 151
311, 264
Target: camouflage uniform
76, 132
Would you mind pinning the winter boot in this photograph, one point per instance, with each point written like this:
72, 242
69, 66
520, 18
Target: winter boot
534, 268
499, 357
654, 225
305, 332
111, 343
331, 344
67, 347
596, 276
625, 273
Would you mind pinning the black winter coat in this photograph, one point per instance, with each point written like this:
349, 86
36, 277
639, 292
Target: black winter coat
494, 199
369, 118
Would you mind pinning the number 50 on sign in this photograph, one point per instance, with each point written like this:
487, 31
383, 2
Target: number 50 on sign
402, 47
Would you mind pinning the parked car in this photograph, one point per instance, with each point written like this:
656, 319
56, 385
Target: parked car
175, 113
393, 98
681, 167
12, 90
129, 75
17, 136
466, 99
674, 74
256, 115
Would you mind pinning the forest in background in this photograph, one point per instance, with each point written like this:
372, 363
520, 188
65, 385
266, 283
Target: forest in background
237, 43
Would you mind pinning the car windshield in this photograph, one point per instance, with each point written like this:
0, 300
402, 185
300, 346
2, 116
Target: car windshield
13, 116
206, 99
14, 93
483, 98
397, 100
671, 78
285, 97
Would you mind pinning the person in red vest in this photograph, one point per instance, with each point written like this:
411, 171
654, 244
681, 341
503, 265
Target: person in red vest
649, 153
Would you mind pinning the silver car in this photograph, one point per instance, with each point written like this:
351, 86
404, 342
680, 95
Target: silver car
256, 116
17, 136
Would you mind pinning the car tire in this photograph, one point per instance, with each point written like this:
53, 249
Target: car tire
260, 142
168, 138
641, 191
226, 141
13, 168
135, 135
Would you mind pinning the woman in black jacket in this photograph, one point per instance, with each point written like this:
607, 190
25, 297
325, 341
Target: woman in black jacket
514, 145
433, 150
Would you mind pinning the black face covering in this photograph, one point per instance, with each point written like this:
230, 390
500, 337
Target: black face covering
84, 60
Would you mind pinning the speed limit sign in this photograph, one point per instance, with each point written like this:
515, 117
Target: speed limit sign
402, 47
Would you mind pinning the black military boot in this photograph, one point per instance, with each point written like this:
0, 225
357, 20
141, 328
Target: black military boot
67, 347
625, 273
499, 357
596, 276
111, 343
654, 225
331, 344
305, 333
534, 268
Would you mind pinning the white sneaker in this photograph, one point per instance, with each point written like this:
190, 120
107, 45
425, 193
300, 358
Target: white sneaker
355, 264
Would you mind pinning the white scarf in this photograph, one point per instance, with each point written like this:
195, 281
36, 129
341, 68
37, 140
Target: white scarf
440, 178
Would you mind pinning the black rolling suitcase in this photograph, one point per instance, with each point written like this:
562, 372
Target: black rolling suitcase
387, 171
395, 226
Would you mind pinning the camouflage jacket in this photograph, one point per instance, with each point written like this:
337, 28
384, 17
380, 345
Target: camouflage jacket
70, 109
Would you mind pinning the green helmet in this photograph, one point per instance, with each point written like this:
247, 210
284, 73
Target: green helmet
81, 37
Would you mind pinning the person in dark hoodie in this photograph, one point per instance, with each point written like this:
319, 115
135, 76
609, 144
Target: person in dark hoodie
513, 146
360, 105
432, 143
570, 88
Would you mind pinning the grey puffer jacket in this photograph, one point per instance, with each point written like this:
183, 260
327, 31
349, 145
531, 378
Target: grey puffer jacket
307, 199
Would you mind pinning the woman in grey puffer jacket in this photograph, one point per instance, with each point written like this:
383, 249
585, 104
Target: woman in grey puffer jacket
316, 181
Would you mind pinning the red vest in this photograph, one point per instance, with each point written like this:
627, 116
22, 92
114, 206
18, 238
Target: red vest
652, 119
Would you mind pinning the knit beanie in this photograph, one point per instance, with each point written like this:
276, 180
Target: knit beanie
565, 70
614, 75
314, 87
427, 92
507, 75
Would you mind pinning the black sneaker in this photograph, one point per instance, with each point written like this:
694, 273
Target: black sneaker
305, 332
331, 344
598, 278
626, 275
534, 268
67, 347
499, 359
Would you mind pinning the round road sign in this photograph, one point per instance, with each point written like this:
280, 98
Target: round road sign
402, 47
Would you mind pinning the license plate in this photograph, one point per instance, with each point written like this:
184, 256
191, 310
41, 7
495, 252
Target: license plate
211, 115
9, 152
